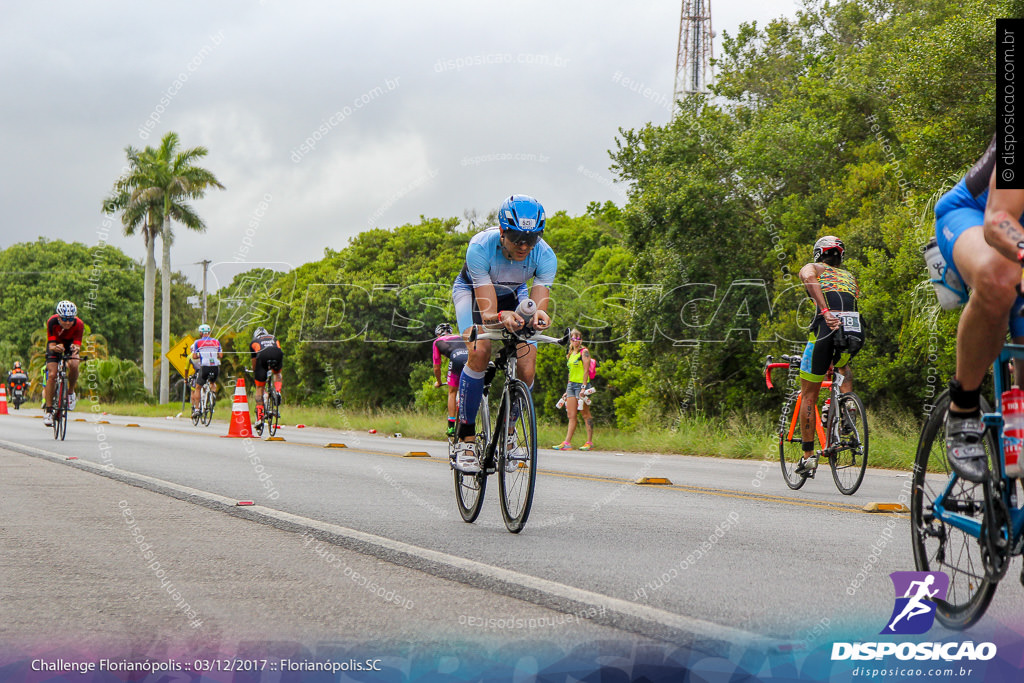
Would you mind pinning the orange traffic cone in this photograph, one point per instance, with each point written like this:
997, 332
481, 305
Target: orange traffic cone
241, 426
3, 400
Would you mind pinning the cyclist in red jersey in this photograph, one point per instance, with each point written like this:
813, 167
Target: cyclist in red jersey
63, 333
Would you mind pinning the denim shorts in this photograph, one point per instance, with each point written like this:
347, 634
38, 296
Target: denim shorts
573, 389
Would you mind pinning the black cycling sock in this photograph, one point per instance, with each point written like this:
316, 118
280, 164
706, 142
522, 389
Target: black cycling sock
467, 430
963, 397
808, 447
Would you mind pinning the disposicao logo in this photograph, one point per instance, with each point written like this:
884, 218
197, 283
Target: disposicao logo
914, 614
914, 611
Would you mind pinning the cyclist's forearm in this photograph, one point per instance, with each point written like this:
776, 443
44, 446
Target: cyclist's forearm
1004, 233
541, 296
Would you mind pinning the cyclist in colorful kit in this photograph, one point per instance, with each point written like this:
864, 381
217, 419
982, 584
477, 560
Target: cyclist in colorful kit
63, 333
267, 357
979, 233
499, 263
206, 355
454, 349
834, 291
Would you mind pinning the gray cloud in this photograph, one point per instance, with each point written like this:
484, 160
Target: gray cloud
412, 108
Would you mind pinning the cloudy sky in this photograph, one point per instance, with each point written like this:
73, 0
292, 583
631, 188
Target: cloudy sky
326, 118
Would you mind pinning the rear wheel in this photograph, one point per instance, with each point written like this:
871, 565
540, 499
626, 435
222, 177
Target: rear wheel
849, 429
938, 546
517, 461
470, 488
207, 405
790, 452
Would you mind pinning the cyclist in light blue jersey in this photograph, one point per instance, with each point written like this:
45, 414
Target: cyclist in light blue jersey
499, 264
980, 231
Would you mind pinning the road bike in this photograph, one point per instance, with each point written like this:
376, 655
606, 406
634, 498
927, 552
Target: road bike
842, 433
509, 446
969, 530
207, 399
60, 398
271, 409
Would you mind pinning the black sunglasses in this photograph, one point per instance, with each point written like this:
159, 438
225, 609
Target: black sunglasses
522, 237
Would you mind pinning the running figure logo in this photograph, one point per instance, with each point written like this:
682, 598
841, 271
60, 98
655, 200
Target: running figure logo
914, 612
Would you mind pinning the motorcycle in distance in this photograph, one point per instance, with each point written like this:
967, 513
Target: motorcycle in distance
19, 389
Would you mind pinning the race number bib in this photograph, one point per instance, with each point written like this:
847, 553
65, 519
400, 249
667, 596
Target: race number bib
850, 320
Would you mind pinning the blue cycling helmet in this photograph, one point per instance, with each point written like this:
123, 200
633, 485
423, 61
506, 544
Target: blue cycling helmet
521, 212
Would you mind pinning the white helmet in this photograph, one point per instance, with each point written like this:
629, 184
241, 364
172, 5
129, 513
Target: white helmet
67, 310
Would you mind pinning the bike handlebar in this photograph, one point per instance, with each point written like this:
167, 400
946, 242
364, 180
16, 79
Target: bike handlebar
790, 362
527, 334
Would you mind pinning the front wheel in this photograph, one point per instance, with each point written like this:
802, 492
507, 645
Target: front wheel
272, 415
849, 429
59, 408
517, 460
937, 545
790, 452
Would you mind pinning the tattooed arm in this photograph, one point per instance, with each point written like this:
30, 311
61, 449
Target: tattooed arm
1003, 230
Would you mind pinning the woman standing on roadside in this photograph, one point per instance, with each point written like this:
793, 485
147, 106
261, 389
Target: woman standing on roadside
577, 358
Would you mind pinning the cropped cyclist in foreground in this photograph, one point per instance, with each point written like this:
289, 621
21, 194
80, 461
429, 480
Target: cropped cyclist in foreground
833, 290
499, 263
978, 230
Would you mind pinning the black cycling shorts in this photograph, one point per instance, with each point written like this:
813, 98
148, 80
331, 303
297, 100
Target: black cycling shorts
207, 373
267, 359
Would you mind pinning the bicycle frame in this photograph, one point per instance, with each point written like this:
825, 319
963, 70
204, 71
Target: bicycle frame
794, 424
969, 525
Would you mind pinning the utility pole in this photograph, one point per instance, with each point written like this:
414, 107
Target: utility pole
205, 265
693, 57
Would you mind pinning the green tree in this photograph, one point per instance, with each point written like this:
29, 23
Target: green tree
155, 191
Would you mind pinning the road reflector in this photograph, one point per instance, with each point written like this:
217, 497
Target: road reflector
132, 424
416, 454
335, 445
654, 481
72, 457
245, 502
275, 438
80, 419
886, 507
103, 422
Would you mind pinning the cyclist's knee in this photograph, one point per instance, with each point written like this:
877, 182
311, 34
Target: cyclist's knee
995, 286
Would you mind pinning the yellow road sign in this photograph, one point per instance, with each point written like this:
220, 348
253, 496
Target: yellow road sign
179, 356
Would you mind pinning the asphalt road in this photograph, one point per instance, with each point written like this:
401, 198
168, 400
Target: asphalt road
725, 554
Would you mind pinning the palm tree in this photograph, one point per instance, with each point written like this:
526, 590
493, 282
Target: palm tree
165, 180
180, 179
140, 212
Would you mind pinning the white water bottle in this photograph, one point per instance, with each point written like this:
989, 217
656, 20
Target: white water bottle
949, 288
1013, 431
561, 402
526, 310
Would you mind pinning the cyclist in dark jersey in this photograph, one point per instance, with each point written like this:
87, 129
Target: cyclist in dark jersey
834, 291
454, 348
63, 334
266, 355
978, 230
